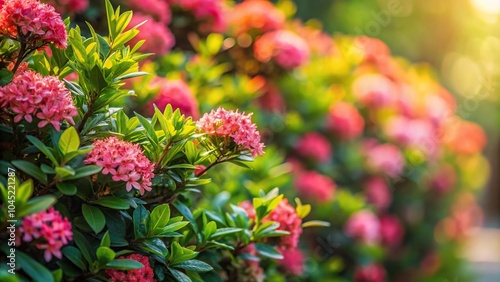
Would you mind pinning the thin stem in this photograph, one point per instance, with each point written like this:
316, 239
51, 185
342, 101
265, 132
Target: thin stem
165, 151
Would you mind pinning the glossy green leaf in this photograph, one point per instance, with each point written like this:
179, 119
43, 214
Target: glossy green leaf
94, 217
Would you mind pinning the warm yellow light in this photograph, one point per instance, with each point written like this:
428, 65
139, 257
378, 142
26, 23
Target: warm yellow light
487, 6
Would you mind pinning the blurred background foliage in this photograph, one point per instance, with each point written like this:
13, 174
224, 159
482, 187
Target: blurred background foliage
459, 38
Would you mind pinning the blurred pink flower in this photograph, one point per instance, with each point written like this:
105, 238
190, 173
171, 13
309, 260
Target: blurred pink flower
30, 94
364, 226
260, 16
158, 9
385, 159
293, 261
209, 13
271, 99
237, 126
159, 39
284, 47
377, 193
36, 21
315, 146
416, 133
391, 230
345, 121
125, 161
315, 186
443, 179
175, 93
50, 231
370, 273
144, 274
69, 6
374, 90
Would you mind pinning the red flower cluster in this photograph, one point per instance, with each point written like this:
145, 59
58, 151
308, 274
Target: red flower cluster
31, 94
315, 146
345, 121
293, 261
315, 186
125, 161
35, 21
50, 231
144, 274
69, 6
370, 273
237, 126
284, 47
261, 16
177, 94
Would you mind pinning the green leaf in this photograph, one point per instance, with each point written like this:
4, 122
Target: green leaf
105, 255
84, 246
106, 240
37, 204
5, 77
24, 191
195, 265
315, 223
160, 216
75, 256
84, 171
124, 264
66, 188
69, 141
44, 149
113, 203
62, 172
179, 276
141, 219
94, 217
225, 231
268, 251
33, 269
210, 229
31, 170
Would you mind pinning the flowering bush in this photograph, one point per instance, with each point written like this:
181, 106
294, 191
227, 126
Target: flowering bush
92, 193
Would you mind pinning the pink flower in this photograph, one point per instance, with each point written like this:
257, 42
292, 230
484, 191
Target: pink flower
159, 39
123, 160
345, 121
315, 186
422, 135
391, 230
373, 49
271, 99
314, 146
236, 126
374, 90
255, 16
377, 193
209, 13
286, 216
69, 6
49, 230
363, 225
293, 261
443, 179
30, 94
175, 93
284, 47
384, 158
370, 273
144, 274
158, 9
36, 21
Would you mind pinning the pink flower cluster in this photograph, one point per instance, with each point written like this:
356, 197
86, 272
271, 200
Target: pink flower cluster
377, 193
363, 225
177, 94
125, 161
144, 274
286, 216
69, 6
159, 39
315, 186
31, 94
260, 16
374, 90
210, 13
345, 121
293, 261
391, 230
370, 273
384, 158
158, 9
35, 21
314, 146
284, 47
50, 231
234, 125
